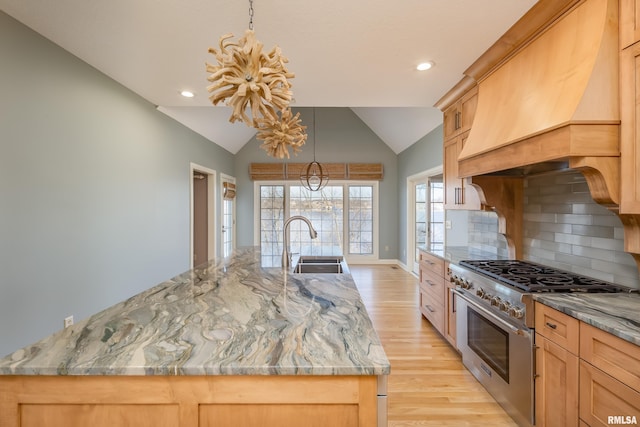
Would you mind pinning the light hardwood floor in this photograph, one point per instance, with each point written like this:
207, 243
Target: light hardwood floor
428, 385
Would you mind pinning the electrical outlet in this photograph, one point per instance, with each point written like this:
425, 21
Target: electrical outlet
447, 224
68, 321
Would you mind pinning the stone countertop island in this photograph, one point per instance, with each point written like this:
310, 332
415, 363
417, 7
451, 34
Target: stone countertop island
225, 344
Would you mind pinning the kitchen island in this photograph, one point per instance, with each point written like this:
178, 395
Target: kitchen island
225, 344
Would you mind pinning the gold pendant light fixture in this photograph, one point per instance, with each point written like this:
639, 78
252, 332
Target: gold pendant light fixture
249, 80
313, 176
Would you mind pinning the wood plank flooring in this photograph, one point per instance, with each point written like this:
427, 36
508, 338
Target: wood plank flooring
428, 385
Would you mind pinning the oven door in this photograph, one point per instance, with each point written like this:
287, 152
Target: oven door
499, 354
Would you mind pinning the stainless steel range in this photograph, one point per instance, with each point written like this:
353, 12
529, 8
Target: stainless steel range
495, 321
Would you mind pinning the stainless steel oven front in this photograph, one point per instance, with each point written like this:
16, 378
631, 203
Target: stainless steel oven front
499, 353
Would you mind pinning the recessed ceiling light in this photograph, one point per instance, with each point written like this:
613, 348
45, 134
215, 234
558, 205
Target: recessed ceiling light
425, 65
187, 94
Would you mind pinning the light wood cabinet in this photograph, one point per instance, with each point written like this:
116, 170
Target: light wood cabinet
450, 309
188, 401
609, 377
432, 290
458, 192
629, 22
603, 396
458, 117
556, 368
585, 376
630, 130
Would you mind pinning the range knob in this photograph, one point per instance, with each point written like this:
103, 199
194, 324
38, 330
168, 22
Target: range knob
505, 305
466, 284
481, 293
496, 301
516, 312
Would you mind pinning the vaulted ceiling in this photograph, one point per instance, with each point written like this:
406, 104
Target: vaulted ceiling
360, 54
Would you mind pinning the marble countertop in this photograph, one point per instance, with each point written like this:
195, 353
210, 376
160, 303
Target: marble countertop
228, 317
618, 314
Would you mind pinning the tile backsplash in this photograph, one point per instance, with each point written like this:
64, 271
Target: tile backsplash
563, 228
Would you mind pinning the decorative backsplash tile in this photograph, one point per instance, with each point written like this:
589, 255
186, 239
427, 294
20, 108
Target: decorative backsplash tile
563, 228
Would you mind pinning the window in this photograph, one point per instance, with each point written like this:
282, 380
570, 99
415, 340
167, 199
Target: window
425, 215
420, 216
271, 221
326, 211
228, 214
361, 219
436, 214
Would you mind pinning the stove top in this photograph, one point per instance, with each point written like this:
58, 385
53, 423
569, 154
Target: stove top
531, 277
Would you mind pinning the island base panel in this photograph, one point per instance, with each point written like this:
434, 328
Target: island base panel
202, 401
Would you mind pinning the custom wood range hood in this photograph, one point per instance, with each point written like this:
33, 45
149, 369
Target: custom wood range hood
548, 98
554, 104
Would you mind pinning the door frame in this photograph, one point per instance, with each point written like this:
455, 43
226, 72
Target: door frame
412, 180
211, 210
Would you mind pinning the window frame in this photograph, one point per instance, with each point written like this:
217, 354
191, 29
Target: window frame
350, 258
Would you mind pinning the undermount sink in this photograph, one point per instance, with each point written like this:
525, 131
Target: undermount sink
320, 264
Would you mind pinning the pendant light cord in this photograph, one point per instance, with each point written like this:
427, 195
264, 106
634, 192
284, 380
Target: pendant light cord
251, 15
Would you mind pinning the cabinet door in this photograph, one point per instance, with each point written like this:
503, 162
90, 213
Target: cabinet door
629, 22
458, 193
602, 397
450, 315
450, 173
450, 121
467, 109
629, 130
556, 385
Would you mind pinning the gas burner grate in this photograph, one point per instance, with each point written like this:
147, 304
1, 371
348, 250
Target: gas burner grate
532, 277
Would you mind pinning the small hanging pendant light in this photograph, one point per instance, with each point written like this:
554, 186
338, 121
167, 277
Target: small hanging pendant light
313, 176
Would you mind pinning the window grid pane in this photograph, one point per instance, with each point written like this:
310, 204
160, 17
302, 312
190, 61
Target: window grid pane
361, 219
420, 218
227, 227
271, 221
324, 209
436, 217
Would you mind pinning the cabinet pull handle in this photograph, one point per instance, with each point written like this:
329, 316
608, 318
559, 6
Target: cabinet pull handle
551, 325
430, 283
428, 307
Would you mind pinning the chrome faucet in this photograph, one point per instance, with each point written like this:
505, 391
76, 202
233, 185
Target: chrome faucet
286, 260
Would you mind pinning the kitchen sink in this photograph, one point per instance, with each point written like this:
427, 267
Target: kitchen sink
320, 264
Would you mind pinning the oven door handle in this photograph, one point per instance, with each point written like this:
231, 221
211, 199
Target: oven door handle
488, 313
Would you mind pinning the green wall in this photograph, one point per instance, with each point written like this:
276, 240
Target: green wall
94, 188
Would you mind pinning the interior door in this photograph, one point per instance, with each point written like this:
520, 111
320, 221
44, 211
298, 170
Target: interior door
200, 215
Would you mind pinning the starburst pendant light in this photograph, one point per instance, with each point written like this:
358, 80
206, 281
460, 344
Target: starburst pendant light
247, 78
313, 176
278, 135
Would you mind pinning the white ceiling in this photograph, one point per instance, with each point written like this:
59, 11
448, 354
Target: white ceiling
345, 53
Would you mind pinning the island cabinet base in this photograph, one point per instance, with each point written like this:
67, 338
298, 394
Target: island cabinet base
188, 401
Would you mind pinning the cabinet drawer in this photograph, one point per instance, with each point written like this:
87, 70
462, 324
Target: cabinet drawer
558, 327
433, 285
433, 311
432, 263
602, 396
435, 292
613, 355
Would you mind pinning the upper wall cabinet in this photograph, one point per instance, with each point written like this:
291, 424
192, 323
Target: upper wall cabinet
629, 22
458, 118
